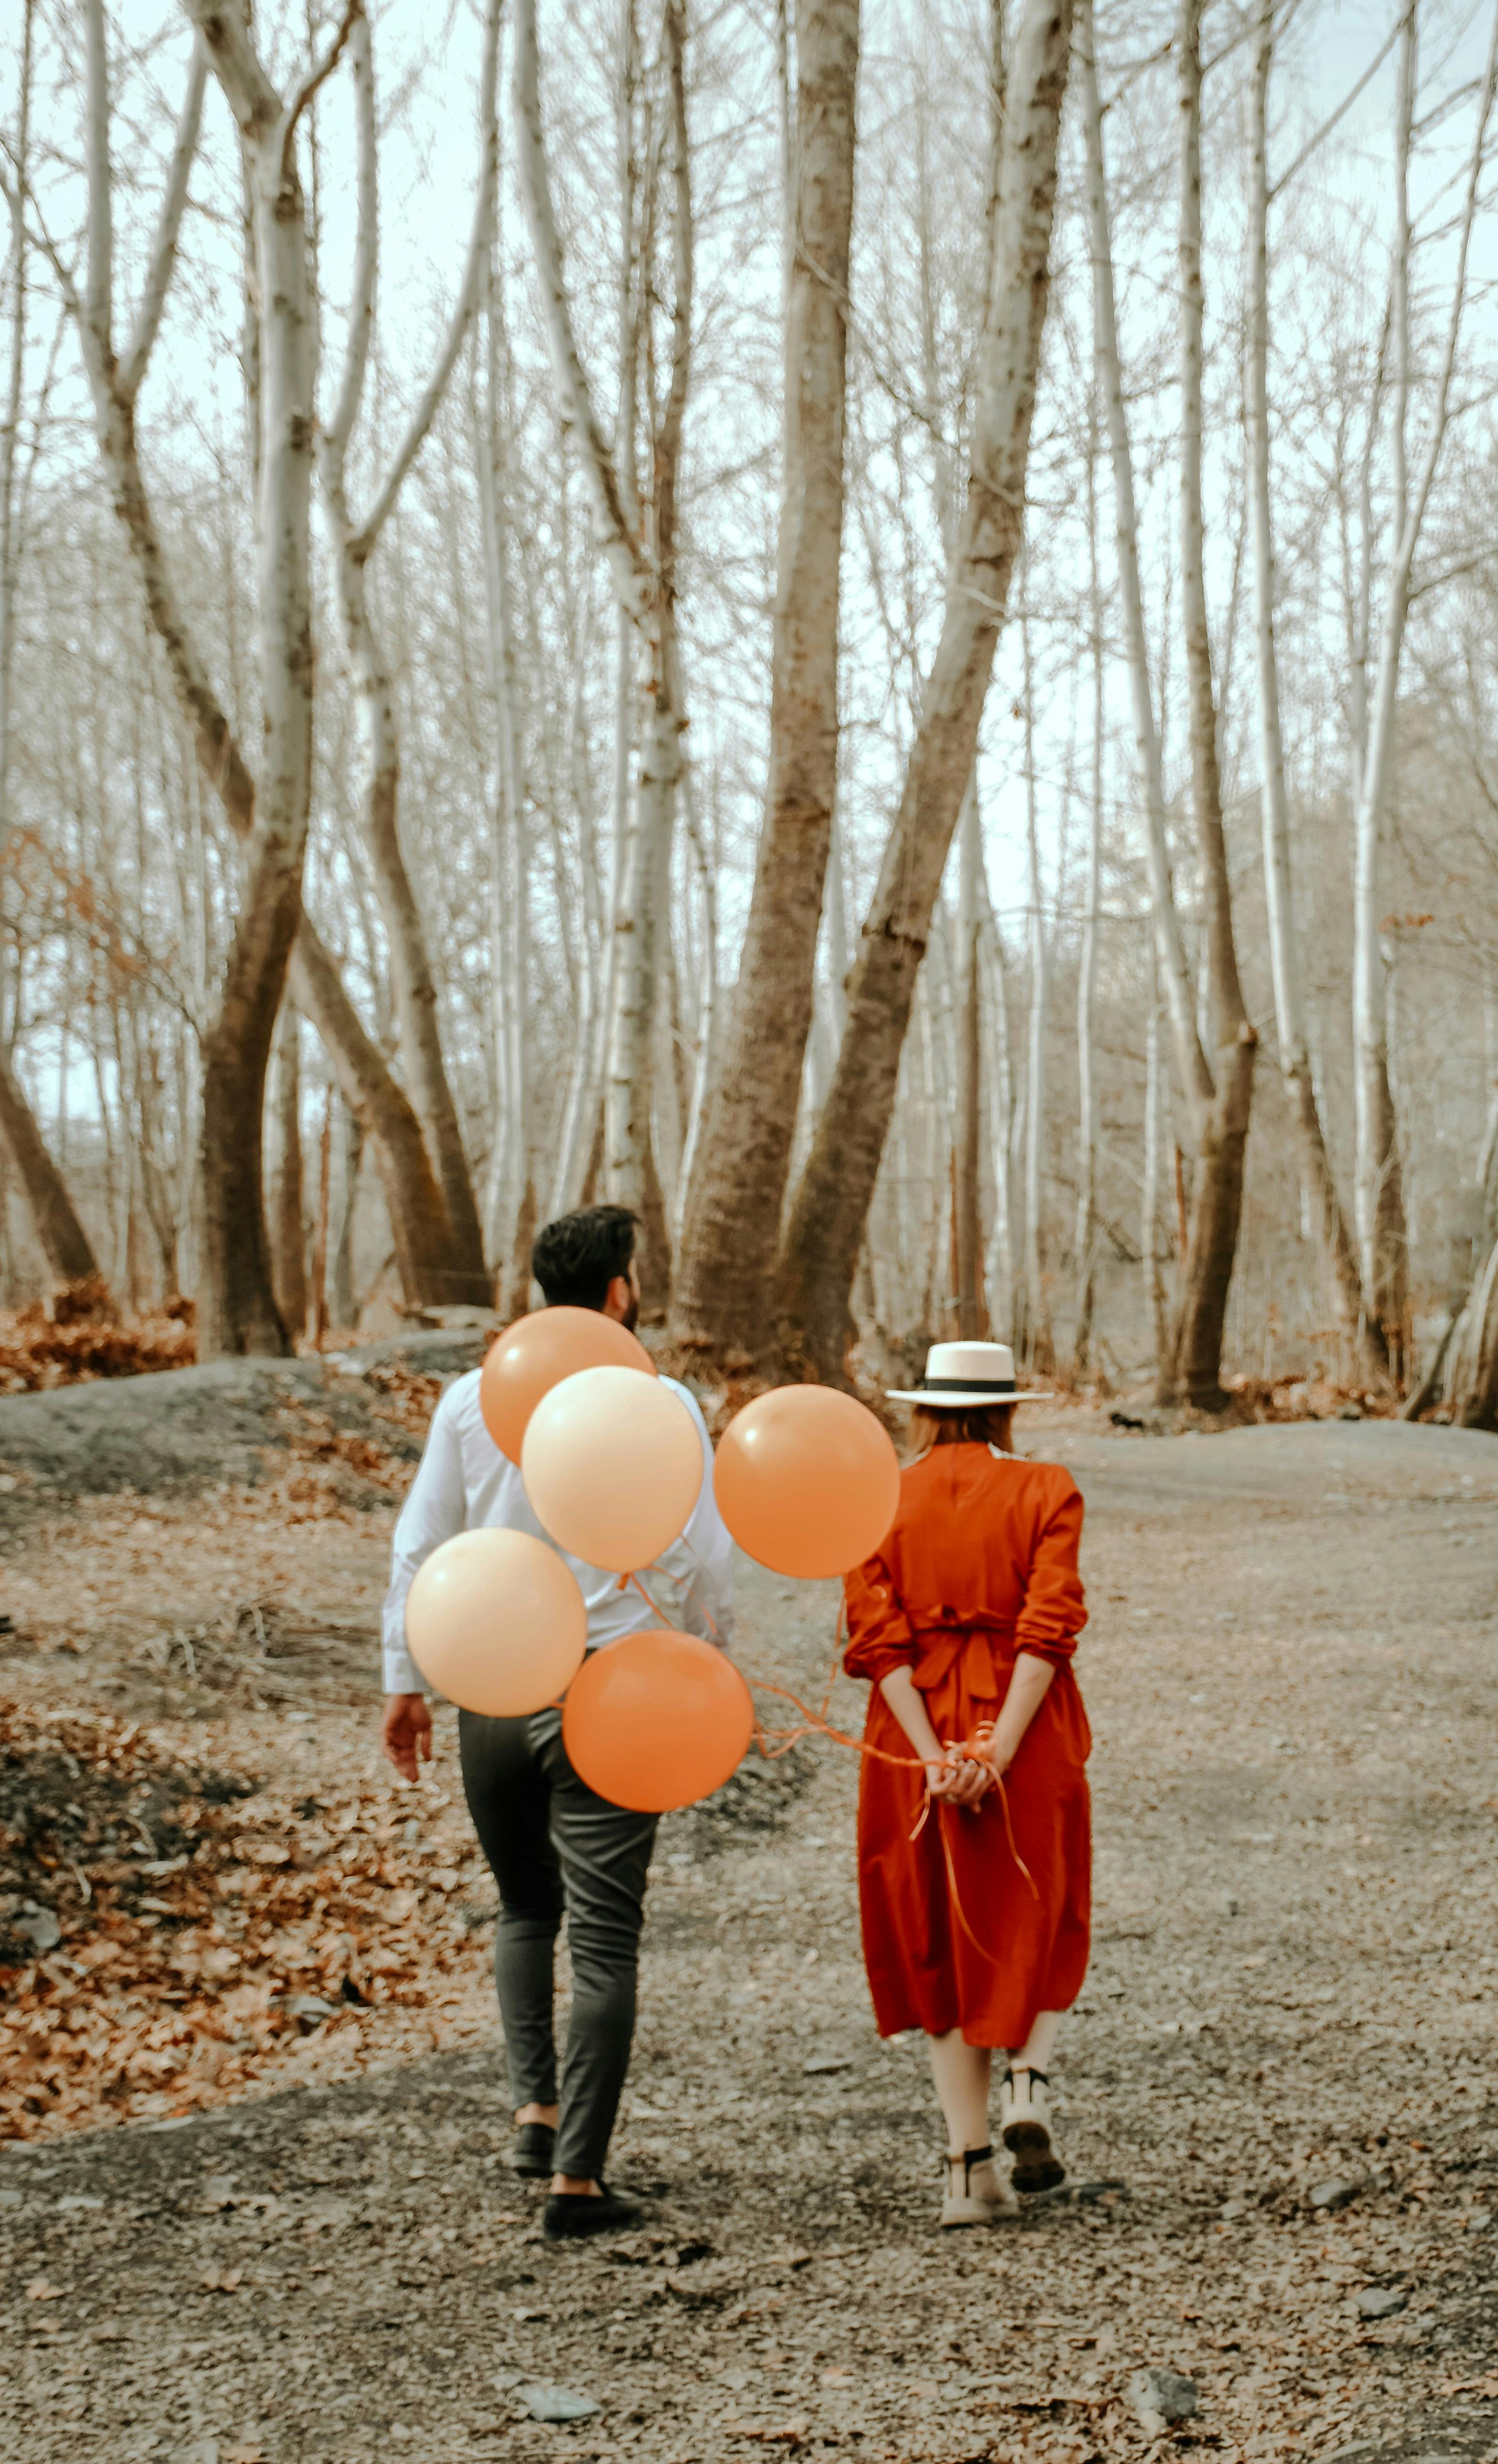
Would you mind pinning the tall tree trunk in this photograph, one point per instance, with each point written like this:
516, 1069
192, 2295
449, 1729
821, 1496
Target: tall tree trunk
1170, 948
418, 1215
737, 1191
59, 1231
820, 1251
999, 1261
1223, 1121
1086, 960
1154, 1100
1037, 1345
236, 1300
346, 1300
412, 981
509, 1174
642, 572
1379, 1201
736, 1198
1317, 1179
290, 1230
972, 1316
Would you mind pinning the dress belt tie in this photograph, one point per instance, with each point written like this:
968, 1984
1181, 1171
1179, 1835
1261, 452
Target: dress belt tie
969, 1643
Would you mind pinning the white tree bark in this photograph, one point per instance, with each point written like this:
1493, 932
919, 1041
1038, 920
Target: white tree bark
1191, 1060
414, 985
1087, 956
1380, 1209
510, 1171
1037, 1324
1287, 969
644, 586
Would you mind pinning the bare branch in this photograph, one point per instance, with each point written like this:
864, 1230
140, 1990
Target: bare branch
628, 567
99, 278
168, 230
1343, 107
419, 424
366, 247
317, 75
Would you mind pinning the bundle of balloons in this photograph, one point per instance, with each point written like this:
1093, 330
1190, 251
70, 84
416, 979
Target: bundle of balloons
806, 1480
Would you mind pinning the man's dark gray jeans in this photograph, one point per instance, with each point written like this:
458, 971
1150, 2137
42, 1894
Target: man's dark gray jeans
554, 1848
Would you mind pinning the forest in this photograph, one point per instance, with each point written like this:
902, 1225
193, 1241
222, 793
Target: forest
869, 630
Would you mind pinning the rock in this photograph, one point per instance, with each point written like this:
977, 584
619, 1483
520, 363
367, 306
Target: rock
823, 2065
1381, 2302
39, 1926
558, 2404
309, 2011
1327, 2198
1158, 2397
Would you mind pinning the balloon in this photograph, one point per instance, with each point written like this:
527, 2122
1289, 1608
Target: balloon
497, 1623
612, 1467
535, 1354
656, 1721
807, 1479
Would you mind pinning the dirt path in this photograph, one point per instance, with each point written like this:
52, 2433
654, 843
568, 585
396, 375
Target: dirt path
1292, 1675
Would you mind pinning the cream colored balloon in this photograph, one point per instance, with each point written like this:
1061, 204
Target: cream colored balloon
495, 1621
612, 1464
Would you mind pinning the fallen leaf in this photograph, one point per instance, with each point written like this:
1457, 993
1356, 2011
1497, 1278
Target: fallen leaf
214, 2280
39, 2290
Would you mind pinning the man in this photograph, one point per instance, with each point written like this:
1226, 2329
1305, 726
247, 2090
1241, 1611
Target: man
552, 1845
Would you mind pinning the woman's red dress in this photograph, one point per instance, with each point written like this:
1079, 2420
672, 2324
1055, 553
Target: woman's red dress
980, 1564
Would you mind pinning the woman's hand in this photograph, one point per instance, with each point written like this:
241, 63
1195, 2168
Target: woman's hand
957, 1779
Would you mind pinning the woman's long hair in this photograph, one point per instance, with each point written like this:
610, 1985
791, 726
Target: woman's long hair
961, 1424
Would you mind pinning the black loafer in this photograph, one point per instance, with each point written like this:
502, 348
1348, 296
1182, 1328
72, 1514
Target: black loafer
573, 2215
531, 2154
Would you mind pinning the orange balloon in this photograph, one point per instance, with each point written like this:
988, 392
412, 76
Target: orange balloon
612, 1467
657, 1721
807, 1479
535, 1354
497, 1623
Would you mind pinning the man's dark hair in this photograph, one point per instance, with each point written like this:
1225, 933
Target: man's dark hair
576, 1259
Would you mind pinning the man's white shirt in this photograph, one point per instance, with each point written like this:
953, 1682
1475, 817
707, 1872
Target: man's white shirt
465, 1484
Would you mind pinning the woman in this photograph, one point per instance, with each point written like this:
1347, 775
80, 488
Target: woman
976, 1918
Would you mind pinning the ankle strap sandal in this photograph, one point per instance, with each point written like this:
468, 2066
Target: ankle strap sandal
970, 2157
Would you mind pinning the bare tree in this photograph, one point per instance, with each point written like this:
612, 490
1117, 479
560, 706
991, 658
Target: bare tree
733, 1206
356, 541
822, 1240
640, 551
1379, 1201
1218, 1097
60, 1230
418, 1214
1287, 965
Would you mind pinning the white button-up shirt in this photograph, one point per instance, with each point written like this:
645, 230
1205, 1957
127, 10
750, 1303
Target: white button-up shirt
465, 1484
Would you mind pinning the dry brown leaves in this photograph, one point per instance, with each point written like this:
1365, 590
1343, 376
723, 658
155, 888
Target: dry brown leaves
62, 1345
169, 1934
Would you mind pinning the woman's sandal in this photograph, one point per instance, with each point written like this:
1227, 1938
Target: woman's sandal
985, 2202
1025, 2131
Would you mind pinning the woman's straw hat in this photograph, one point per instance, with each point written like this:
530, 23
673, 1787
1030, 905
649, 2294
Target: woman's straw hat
967, 1373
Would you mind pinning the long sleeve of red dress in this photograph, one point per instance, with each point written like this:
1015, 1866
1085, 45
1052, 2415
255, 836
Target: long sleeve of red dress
977, 1923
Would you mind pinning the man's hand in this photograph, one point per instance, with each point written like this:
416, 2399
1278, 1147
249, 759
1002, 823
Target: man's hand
405, 1732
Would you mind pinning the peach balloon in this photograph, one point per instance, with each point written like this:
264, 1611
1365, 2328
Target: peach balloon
535, 1354
613, 1465
657, 1721
806, 1481
497, 1623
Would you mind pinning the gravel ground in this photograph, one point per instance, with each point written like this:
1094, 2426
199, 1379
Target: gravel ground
1278, 2095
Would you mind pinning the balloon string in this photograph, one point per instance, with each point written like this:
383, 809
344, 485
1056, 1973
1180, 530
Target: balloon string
817, 1723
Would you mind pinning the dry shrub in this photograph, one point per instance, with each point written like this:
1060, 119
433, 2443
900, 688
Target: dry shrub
66, 1340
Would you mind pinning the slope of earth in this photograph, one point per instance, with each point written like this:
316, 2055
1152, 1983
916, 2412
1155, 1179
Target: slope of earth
1278, 2090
